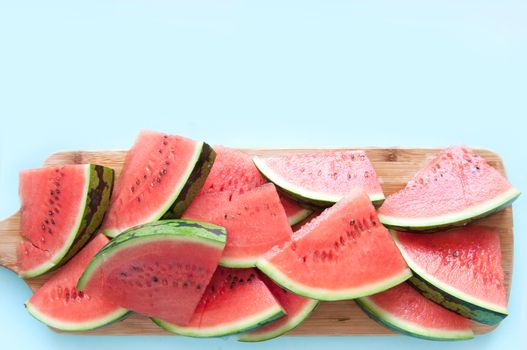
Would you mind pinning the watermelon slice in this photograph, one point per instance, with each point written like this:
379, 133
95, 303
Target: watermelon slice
62, 207
161, 175
321, 178
454, 188
255, 222
297, 309
344, 253
160, 269
294, 212
60, 305
235, 300
459, 269
233, 173
404, 310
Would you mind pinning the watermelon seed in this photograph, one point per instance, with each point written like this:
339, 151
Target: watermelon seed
167, 163
123, 275
160, 151
52, 222
42, 239
73, 294
57, 191
50, 231
56, 210
139, 199
144, 176
198, 286
155, 279
59, 290
163, 172
455, 253
46, 221
52, 193
43, 227
51, 201
185, 284
352, 222
158, 179
165, 143
56, 198
132, 189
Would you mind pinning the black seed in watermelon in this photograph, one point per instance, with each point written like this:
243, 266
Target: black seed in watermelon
235, 300
404, 310
60, 305
160, 177
61, 208
456, 187
344, 253
159, 269
459, 269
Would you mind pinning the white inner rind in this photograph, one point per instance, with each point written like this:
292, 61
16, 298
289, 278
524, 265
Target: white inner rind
443, 286
301, 215
225, 328
301, 191
414, 328
464, 215
331, 294
156, 215
292, 322
57, 257
74, 325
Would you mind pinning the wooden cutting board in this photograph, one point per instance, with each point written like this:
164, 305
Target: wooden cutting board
394, 166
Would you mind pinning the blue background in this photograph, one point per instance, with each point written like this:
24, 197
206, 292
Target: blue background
90, 74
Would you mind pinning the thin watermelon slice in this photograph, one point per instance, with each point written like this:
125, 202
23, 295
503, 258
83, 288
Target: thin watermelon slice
344, 253
235, 300
255, 222
161, 175
62, 207
294, 212
459, 269
160, 269
60, 305
297, 309
456, 187
233, 173
321, 178
404, 310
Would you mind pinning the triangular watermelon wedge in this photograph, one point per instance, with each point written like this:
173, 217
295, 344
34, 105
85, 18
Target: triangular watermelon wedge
344, 253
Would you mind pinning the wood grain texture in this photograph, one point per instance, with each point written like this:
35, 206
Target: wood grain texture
394, 166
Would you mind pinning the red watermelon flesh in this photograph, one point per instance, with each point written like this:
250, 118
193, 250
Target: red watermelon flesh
297, 309
60, 305
464, 262
162, 278
454, 187
46, 234
156, 175
234, 173
344, 253
321, 178
404, 309
255, 222
235, 300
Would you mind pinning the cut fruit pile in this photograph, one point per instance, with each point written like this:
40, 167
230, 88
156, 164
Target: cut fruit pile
202, 241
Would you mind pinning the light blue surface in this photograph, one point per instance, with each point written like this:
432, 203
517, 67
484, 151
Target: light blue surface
90, 74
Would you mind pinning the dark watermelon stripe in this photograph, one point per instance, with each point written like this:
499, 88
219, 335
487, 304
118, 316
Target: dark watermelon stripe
462, 307
193, 184
97, 201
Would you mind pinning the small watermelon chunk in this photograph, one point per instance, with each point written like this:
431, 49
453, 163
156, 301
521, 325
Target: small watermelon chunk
234, 173
62, 207
235, 300
404, 310
297, 309
321, 178
160, 269
459, 269
60, 305
344, 253
160, 178
456, 187
255, 222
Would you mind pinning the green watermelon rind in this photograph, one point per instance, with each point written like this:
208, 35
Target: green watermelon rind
242, 325
327, 294
299, 216
184, 192
452, 219
450, 297
70, 326
88, 219
292, 323
410, 328
303, 195
176, 230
